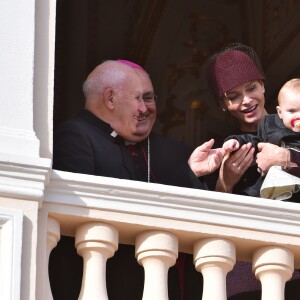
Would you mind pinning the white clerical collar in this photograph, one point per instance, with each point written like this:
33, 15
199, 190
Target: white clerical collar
114, 134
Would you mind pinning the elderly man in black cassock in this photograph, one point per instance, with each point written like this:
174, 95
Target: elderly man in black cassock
113, 137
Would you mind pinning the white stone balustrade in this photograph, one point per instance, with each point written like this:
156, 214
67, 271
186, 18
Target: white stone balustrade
273, 266
95, 242
214, 258
267, 231
156, 251
163, 220
53, 236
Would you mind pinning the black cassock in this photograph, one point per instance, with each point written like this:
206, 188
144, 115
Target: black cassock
85, 144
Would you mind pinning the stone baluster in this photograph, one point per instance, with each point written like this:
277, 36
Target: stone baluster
95, 242
156, 251
214, 258
273, 266
53, 236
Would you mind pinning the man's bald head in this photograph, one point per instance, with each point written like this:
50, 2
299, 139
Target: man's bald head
109, 74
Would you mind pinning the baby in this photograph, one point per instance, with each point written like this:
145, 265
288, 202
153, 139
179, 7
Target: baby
281, 129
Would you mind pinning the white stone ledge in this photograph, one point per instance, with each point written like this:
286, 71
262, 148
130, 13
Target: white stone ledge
191, 213
23, 177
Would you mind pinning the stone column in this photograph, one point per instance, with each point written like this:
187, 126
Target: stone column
95, 242
273, 266
214, 258
156, 251
16, 78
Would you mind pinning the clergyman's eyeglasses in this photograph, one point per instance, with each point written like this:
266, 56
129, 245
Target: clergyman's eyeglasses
147, 99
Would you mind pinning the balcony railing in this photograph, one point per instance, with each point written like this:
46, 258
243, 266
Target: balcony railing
218, 229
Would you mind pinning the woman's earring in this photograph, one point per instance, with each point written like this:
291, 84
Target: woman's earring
223, 109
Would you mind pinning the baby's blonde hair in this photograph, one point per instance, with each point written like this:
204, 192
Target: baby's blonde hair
291, 85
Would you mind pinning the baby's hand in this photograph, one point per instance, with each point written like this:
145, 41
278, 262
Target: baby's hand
231, 145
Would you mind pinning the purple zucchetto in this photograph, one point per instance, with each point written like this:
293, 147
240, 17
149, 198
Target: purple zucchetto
130, 64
